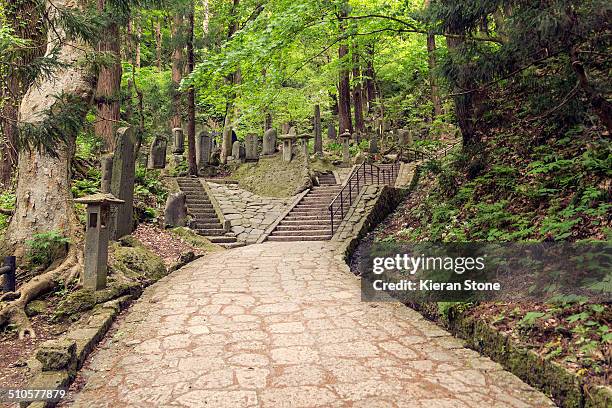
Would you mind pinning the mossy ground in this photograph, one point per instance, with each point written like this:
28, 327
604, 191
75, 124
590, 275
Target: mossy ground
271, 176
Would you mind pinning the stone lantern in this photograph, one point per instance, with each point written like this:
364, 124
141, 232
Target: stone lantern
304, 143
346, 154
96, 238
288, 141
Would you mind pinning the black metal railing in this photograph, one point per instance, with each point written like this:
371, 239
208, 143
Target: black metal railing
357, 180
9, 271
377, 175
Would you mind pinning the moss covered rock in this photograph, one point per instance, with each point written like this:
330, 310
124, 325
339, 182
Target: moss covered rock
76, 302
35, 307
135, 261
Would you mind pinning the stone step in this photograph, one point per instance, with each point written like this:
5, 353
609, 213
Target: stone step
220, 239
210, 211
201, 224
211, 231
300, 227
198, 200
299, 238
230, 245
319, 222
201, 206
317, 218
322, 206
313, 211
307, 233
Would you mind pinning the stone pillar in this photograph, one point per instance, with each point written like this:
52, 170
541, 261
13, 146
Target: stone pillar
251, 142
96, 239
318, 139
122, 183
157, 153
374, 143
269, 142
331, 132
107, 173
203, 149
346, 154
287, 147
178, 140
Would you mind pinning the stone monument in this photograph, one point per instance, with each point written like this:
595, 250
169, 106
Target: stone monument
157, 153
122, 183
251, 143
318, 138
269, 142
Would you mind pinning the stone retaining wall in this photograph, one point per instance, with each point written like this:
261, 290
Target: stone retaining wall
249, 215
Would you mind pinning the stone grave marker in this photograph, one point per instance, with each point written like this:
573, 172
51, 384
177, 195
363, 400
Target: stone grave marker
122, 183
107, 173
269, 142
157, 153
203, 149
251, 142
178, 141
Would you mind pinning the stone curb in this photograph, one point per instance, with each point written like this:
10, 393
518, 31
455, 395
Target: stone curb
58, 372
226, 223
566, 388
272, 226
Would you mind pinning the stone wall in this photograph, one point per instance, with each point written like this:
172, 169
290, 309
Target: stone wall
372, 205
249, 215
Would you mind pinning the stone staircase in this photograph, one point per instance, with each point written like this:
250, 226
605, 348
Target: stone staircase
309, 219
201, 209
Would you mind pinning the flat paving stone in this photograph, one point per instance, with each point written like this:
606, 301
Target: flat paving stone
281, 324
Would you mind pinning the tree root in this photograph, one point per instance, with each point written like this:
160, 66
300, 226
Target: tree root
14, 312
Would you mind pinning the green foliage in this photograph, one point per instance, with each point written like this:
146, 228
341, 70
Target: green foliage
7, 202
44, 248
148, 183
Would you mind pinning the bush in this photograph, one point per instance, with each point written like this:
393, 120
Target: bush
44, 248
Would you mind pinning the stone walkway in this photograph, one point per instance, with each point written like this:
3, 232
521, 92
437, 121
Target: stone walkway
282, 325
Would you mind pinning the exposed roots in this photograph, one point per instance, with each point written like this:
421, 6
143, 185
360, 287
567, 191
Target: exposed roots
14, 311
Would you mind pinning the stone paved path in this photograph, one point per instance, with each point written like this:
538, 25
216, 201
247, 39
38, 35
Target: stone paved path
282, 325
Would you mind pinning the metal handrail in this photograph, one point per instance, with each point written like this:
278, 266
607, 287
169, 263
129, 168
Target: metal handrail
359, 179
387, 178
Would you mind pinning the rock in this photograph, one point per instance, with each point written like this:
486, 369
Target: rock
138, 262
35, 307
57, 354
76, 302
175, 213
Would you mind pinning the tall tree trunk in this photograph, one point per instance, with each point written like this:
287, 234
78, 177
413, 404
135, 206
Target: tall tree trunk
433, 82
344, 86
357, 95
370, 80
177, 69
226, 142
191, 145
464, 101
24, 18
138, 39
158, 44
109, 81
44, 200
